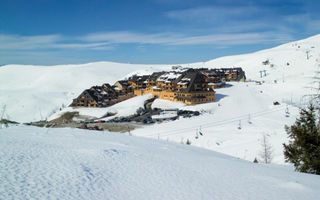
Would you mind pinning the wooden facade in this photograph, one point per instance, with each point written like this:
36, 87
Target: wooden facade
189, 86
101, 96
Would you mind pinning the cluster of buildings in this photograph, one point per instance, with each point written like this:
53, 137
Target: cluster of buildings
189, 86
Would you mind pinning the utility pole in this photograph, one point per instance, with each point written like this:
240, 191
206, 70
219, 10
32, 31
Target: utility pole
265, 72
307, 52
200, 131
197, 135
239, 126
287, 112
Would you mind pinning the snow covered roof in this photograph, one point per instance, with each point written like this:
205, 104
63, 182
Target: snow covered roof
182, 83
168, 77
185, 79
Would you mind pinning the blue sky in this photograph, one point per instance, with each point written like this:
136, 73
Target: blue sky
151, 31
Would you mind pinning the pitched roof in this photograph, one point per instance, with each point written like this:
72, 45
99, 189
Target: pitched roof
90, 94
138, 79
194, 78
124, 83
154, 76
170, 77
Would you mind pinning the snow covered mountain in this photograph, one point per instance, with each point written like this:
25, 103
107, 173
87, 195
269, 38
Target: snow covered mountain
30, 93
38, 163
33, 92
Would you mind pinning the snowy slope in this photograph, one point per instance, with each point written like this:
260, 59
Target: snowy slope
292, 67
219, 122
38, 163
288, 81
34, 92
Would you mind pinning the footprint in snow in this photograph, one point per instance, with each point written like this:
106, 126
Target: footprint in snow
111, 151
87, 171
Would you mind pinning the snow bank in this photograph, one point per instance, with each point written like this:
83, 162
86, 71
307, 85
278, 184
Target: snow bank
166, 104
124, 108
37, 163
129, 107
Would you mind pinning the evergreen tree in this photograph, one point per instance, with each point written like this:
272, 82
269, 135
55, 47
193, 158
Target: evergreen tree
304, 148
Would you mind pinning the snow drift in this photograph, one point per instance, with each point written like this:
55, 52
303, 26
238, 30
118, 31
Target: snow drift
37, 163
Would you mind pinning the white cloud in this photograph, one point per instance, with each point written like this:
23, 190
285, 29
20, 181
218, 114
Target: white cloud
27, 42
245, 19
107, 40
132, 37
216, 14
180, 39
234, 39
220, 19
17, 42
101, 45
313, 25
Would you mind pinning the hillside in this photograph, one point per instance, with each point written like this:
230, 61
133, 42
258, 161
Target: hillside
37, 163
31, 93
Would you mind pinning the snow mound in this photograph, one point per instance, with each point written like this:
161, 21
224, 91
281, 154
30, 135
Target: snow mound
129, 107
166, 104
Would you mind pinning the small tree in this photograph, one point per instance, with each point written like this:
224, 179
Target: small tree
266, 153
304, 148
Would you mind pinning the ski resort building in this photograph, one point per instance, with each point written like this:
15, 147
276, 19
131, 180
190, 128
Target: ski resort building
189, 86
102, 96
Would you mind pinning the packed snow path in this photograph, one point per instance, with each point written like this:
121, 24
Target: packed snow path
37, 163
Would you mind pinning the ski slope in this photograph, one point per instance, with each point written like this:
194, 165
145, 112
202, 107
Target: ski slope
241, 104
38, 163
31, 93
